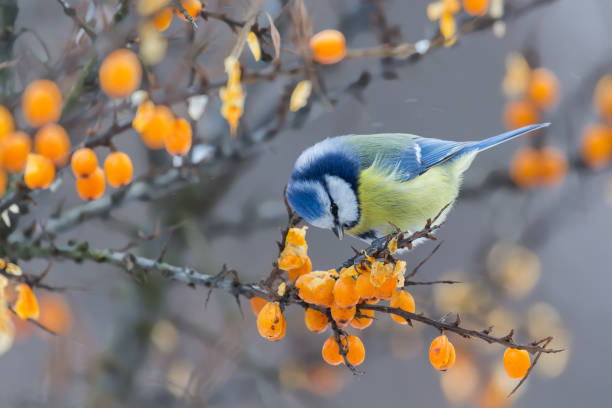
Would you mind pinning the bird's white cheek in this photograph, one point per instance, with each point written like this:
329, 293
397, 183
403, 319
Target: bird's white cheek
325, 222
343, 195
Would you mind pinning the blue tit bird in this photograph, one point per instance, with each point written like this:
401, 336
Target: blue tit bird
365, 185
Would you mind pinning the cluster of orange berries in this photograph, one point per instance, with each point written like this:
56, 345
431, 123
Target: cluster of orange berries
159, 128
596, 143
163, 18
91, 179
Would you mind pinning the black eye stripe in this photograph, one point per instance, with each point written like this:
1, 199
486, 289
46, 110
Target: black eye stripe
334, 210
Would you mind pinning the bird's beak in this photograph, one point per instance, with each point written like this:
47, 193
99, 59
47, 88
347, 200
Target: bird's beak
338, 231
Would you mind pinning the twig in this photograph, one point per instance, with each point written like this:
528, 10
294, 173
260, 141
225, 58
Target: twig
71, 12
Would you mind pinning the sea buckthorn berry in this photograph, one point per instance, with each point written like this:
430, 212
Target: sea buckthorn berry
331, 352
118, 169
296, 237
144, 113
302, 270
120, 73
519, 113
52, 141
345, 292
516, 362
342, 315
162, 19
363, 321
442, 353
356, 352
292, 257
386, 290
55, 313
596, 146
39, 171
257, 304
14, 150
317, 288
543, 88
525, 167
192, 7
328, 46
91, 187
553, 166
41, 102
364, 287
26, 306
6, 122
178, 141
315, 321
602, 98
159, 126
84, 162
476, 7
3, 182
404, 301
271, 323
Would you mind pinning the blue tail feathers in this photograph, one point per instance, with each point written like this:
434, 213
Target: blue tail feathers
495, 140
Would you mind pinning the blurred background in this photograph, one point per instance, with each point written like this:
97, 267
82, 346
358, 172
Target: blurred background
534, 259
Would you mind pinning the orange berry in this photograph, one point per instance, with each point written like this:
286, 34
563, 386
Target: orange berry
158, 128
14, 150
331, 352
342, 315
120, 73
84, 162
596, 146
26, 306
543, 88
364, 286
302, 270
257, 304
296, 237
162, 19
55, 313
3, 182
602, 98
553, 166
442, 353
315, 321
328, 46
525, 167
519, 113
53, 142
192, 7
516, 362
144, 113
365, 320
356, 351
316, 288
271, 323
41, 102
6, 122
404, 301
91, 187
476, 7
345, 292
386, 290
178, 141
118, 168
39, 171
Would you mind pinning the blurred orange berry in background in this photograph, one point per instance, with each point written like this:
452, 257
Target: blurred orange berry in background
543, 88
516, 362
192, 7
271, 323
84, 162
52, 141
7, 125
91, 187
14, 150
553, 166
342, 315
178, 141
602, 98
525, 167
315, 321
596, 146
120, 73
26, 306
55, 313
159, 126
41, 102
519, 113
118, 168
328, 46
144, 113
162, 19
39, 171
442, 353
257, 304
345, 292
3, 182
476, 7
404, 301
